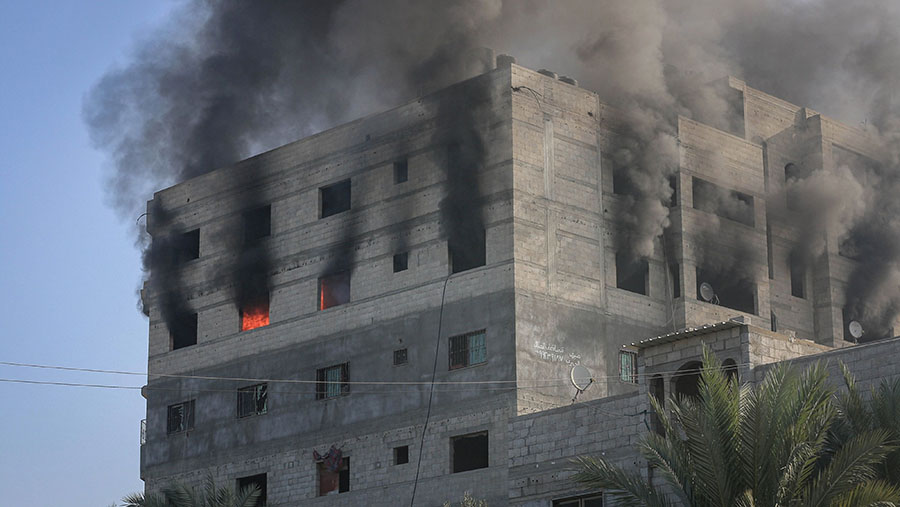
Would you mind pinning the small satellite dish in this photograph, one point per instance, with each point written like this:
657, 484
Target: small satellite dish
581, 377
706, 292
856, 329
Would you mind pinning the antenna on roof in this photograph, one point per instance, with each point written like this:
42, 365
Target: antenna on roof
708, 294
581, 379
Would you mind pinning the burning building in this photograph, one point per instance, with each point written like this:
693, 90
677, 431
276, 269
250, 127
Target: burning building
373, 312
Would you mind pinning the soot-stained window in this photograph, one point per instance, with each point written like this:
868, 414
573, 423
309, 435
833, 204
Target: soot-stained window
468, 252
258, 480
334, 198
632, 274
334, 290
255, 313
798, 277
675, 272
187, 245
467, 349
725, 203
469, 452
180, 417
253, 400
332, 381
621, 182
730, 292
401, 171
401, 262
184, 331
257, 224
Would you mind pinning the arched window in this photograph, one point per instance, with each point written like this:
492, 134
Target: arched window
686, 380
729, 367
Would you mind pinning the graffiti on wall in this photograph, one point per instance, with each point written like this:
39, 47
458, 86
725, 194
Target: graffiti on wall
555, 353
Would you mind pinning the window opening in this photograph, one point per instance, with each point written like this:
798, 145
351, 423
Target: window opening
400, 357
628, 366
401, 455
401, 171
334, 198
180, 417
673, 185
769, 255
725, 203
184, 332
729, 368
631, 273
774, 320
332, 381
687, 380
253, 400
798, 275
469, 452
334, 480
467, 350
187, 246
334, 290
467, 253
255, 314
592, 500
735, 293
675, 270
259, 481
257, 224
658, 391
401, 262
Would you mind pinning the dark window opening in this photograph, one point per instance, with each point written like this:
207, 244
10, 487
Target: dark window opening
631, 273
332, 381
729, 368
468, 253
628, 367
253, 400
469, 452
622, 184
184, 331
257, 224
401, 455
334, 198
255, 314
798, 276
401, 171
658, 391
180, 417
774, 321
401, 262
467, 350
187, 245
769, 256
849, 249
259, 481
592, 500
332, 482
794, 172
675, 270
673, 185
400, 357
334, 290
737, 294
725, 203
687, 380
868, 330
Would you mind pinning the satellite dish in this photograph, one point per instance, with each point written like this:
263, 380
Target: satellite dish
581, 377
707, 293
856, 329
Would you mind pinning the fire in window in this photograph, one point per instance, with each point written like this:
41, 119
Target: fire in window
467, 350
628, 366
334, 290
401, 171
334, 198
180, 417
334, 473
469, 452
259, 481
252, 400
257, 224
332, 381
632, 274
255, 313
401, 455
184, 331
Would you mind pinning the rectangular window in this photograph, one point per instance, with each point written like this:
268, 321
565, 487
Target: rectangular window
401, 455
184, 332
401, 171
332, 381
725, 203
255, 314
631, 273
334, 290
469, 452
735, 293
400, 357
187, 245
252, 400
334, 198
769, 254
592, 500
333, 481
798, 276
467, 350
673, 185
401, 262
621, 182
774, 321
257, 224
675, 270
468, 252
180, 417
628, 367
258, 480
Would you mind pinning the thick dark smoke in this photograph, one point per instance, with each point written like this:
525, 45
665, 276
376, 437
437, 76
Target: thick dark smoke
224, 80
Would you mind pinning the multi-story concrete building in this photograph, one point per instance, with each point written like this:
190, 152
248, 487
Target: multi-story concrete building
448, 262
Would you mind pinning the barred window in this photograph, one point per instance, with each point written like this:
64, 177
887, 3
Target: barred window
253, 400
628, 366
467, 349
180, 417
332, 381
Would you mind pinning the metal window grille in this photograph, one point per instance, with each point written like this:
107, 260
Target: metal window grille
467, 349
627, 366
332, 381
180, 417
253, 400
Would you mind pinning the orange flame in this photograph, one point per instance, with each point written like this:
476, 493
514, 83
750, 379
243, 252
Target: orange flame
253, 318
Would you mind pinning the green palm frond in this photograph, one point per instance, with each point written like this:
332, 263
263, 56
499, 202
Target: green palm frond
629, 490
854, 464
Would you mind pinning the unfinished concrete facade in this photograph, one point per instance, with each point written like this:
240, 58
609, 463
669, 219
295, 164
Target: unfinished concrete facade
369, 287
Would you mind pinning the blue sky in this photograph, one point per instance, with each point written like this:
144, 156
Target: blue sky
68, 265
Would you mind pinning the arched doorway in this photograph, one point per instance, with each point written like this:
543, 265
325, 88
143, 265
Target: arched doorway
686, 381
729, 367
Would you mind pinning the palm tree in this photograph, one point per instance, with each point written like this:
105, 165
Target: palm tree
184, 496
745, 445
